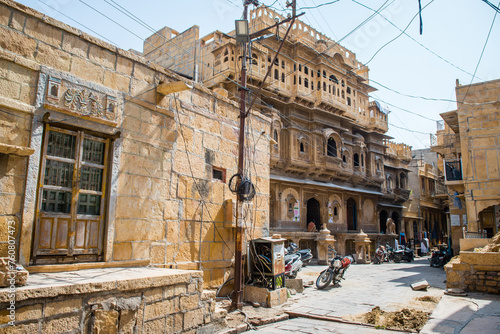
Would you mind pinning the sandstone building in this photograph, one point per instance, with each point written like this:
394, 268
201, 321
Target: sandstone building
331, 161
425, 212
107, 161
469, 150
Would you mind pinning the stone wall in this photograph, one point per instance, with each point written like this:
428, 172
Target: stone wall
474, 272
147, 301
164, 205
479, 122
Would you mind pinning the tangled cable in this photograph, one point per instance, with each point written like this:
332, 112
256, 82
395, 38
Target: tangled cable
245, 189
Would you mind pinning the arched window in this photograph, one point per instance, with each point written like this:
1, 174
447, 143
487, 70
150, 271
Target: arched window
275, 135
331, 147
362, 160
306, 83
300, 80
356, 160
344, 159
276, 74
302, 147
282, 77
390, 183
306, 70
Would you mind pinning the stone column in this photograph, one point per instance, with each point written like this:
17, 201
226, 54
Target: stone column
363, 245
323, 240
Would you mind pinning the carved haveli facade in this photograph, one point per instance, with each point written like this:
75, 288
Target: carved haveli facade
110, 161
331, 161
425, 213
468, 145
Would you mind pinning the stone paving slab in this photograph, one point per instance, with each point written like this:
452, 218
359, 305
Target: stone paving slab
388, 286
314, 326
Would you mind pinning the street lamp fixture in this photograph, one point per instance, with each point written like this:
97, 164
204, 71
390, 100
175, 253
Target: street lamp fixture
242, 33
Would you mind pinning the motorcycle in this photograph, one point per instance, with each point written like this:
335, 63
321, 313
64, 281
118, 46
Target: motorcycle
399, 255
293, 264
439, 258
305, 254
335, 271
408, 254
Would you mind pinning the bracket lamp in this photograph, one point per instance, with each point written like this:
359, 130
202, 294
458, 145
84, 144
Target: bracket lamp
242, 32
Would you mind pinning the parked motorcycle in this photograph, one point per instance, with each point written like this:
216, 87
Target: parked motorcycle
439, 258
293, 264
335, 271
408, 255
305, 254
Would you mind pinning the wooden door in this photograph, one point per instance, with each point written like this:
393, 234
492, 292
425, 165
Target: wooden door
71, 198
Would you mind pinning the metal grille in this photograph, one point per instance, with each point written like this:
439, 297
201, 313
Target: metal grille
89, 204
56, 201
93, 151
91, 178
61, 145
58, 174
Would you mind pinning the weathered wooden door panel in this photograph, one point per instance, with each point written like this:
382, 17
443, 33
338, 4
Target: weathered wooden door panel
70, 220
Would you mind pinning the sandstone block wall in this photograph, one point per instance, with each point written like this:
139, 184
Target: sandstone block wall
173, 303
474, 272
479, 121
164, 204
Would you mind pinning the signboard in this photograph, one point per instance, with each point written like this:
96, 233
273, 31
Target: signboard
296, 212
455, 220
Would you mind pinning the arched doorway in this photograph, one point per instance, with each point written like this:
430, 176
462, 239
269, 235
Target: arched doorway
383, 221
395, 216
313, 212
488, 220
352, 215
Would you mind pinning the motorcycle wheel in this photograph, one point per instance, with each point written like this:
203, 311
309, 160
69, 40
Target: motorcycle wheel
324, 279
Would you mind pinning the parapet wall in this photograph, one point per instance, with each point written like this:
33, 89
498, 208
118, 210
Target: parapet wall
474, 272
148, 300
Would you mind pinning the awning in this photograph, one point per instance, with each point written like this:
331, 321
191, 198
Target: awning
392, 206
321, 184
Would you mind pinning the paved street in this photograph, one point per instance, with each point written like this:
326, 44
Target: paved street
386, 286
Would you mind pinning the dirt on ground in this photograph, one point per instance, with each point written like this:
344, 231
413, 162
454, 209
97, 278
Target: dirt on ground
412, 318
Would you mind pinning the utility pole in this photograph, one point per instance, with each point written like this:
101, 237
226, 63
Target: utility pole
238, 264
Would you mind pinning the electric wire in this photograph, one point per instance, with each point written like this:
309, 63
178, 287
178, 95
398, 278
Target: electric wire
66, 16
395, 38
480, 58
413, 39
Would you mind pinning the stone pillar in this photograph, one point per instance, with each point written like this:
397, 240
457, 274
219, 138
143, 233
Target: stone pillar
323, 240
363, 246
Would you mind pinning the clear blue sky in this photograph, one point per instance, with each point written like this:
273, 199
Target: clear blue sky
454, 34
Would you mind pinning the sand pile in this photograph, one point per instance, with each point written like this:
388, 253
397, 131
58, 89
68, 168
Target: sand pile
493, 246
406, 319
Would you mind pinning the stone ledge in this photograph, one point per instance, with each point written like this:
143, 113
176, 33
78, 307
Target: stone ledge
17, 150
56, 268
43, 285
16, 105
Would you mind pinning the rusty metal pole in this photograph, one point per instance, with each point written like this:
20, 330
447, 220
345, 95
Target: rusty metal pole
237, 301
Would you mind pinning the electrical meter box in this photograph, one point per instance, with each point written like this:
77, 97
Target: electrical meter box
267, 262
